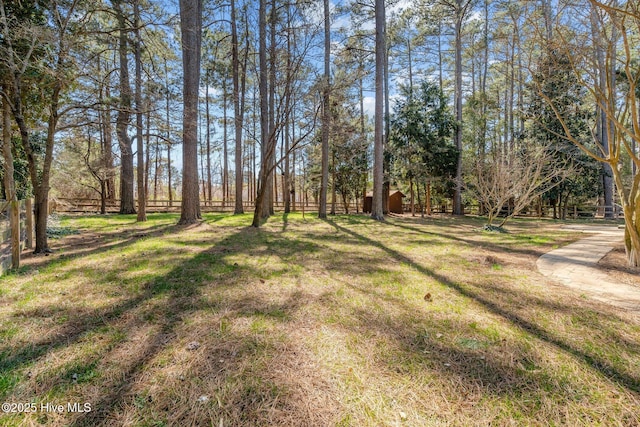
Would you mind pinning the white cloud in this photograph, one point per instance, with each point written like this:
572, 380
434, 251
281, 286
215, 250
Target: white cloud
213, 91
400, 6
476, 16
369, 25
343, 21
369, 103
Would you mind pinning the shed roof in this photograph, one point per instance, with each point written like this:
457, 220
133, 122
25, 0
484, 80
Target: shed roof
370, 193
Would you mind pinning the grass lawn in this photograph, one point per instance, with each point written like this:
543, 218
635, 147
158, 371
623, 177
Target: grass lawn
344, 322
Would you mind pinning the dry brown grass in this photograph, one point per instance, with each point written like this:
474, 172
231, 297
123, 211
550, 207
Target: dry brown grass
615, 265
312, 323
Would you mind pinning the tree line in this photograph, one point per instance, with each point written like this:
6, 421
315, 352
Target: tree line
501, 104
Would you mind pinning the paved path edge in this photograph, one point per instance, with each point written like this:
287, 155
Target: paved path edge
575, 266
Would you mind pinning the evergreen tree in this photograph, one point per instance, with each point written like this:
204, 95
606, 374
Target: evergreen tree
557, 82
420, 136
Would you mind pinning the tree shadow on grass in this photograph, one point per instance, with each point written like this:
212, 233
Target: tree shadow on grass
263, 393
79, 324
424, 349
160, 309
605, 367
469, 242
265, 376
76, 246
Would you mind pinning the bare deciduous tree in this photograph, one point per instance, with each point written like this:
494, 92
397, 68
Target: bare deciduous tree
512, 181
620, 108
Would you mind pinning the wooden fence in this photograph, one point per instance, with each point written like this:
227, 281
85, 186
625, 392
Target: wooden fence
64, 205
16, 232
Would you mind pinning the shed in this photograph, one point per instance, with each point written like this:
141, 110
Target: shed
368, 202
395, 202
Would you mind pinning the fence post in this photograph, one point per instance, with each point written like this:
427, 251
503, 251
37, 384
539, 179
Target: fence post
15, 233
28, 223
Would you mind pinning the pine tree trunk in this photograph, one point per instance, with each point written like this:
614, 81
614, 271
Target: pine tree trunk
191, 28
293, 179
289, 124
386, 163
413, 206
127, 200
286, 184
483, 87
420, 205
380, 52
263, 209
169, 175
106, 148
271, 145
333, 182
142, 213
156, 170
208, 139
235, 65
427, 199
326, 115
225, 148
147, 161
457, 200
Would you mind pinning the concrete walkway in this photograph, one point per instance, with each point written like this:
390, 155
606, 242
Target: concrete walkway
574, 266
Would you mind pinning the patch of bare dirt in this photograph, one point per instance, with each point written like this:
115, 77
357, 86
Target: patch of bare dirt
615, 265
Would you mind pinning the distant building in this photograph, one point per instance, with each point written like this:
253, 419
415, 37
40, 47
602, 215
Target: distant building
395, 202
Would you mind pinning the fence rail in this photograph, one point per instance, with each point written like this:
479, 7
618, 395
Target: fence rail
69, 205
12, 242
88, 205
